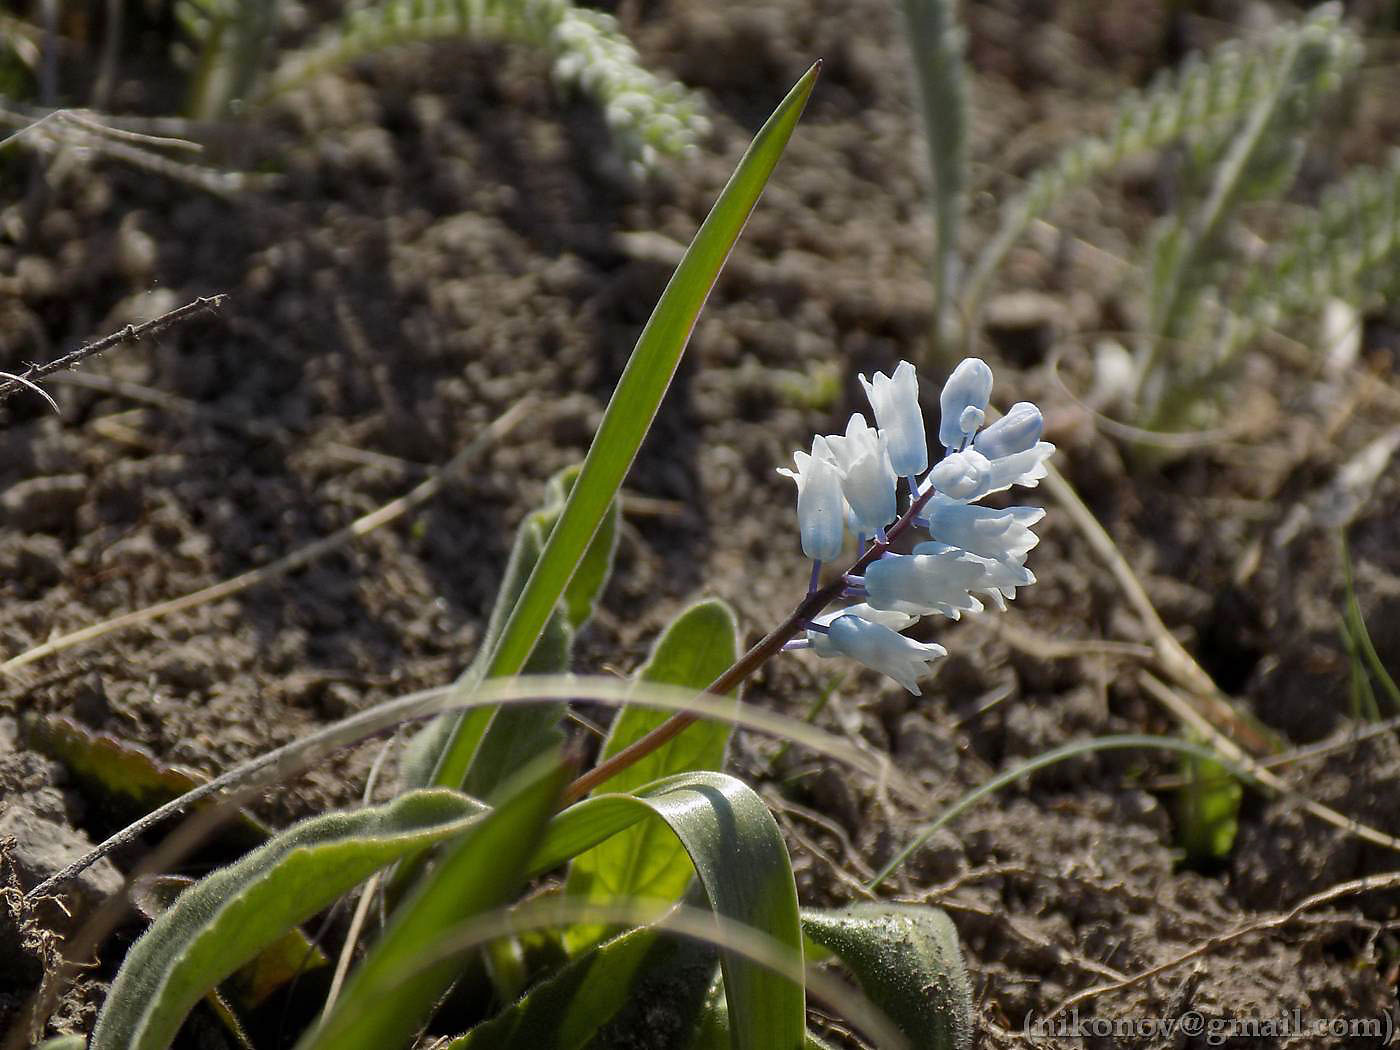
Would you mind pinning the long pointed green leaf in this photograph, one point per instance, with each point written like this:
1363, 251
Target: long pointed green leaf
639, 392
491, 742
378, 1009
225, 919
646, 860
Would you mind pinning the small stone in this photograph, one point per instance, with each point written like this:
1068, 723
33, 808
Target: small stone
45, 504
34, 562
43, 847
1023, 325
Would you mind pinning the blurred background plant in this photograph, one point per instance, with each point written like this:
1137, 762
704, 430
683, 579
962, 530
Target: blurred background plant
1235, 124
237, 58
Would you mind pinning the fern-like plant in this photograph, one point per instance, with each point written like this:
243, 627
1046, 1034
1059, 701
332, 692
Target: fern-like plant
1192, 254
648, 115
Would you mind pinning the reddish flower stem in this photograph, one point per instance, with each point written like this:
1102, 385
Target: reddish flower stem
771, 644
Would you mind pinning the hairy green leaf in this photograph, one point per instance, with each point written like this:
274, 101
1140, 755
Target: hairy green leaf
392, 992
646, 861
907, 960
227, 918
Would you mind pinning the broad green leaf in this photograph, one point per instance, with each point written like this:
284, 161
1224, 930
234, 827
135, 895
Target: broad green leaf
583, 825
1208, 809
392, 992
492, 743
635, 401
227, 918
907, 960
646, 861
599, 993
742, 862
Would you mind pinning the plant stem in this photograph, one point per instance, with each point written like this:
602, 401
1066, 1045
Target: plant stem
771, 644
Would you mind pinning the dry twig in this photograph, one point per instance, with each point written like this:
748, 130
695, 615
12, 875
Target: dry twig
1370, 884
130, 334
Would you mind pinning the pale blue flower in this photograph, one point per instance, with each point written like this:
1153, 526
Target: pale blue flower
967, 476
884, 650
963, 402
895, 400
924, 583
999, 577
1020, 468
819, 504
868, 482
821, 641
1004, 535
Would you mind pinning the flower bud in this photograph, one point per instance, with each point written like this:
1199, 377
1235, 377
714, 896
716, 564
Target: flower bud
969, 387
1014, 432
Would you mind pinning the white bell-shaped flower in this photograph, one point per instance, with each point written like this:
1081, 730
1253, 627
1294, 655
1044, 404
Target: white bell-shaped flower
963, 402
884, 650
821, 641
1004, 535
1014, 432
924, 583
999, 578
819, 504
867, 480
895, 400
963, 476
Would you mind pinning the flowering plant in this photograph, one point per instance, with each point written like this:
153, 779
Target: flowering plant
852, 481
675, 907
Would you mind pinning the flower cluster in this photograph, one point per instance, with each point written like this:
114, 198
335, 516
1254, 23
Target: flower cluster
851, 481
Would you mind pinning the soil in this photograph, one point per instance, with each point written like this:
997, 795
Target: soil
451, 234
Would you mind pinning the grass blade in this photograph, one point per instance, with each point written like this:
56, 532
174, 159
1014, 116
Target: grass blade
639, 392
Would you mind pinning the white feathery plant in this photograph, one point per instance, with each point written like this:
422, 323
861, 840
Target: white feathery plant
1191, 254
1345, 248
1239, 115
648, 115
1205, 100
